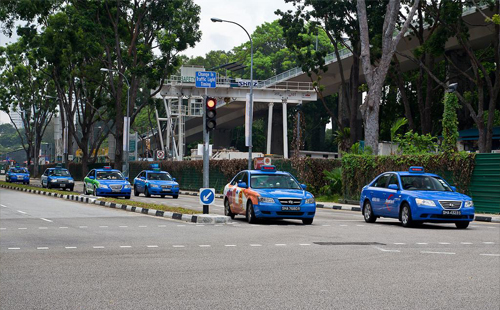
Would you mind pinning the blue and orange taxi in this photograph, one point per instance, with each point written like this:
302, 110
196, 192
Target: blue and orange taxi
156, 182
57, 177
18, 174
107, 182
415, 197
267, 193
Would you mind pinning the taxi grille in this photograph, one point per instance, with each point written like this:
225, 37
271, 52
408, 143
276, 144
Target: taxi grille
116, 187
450, 204
290, 201
62, 180
166, 186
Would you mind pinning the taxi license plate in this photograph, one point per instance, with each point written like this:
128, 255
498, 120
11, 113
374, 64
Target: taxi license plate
116, 189
290, 208
63, 185
452, 212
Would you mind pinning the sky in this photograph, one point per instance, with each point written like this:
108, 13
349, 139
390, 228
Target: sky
218, 36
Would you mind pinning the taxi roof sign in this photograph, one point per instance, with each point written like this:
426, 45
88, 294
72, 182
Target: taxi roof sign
268, 168
416, 169
106, 167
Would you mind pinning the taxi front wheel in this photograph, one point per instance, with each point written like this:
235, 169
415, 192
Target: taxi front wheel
251, 214
406, 219
462, 225
307, 221
368, 213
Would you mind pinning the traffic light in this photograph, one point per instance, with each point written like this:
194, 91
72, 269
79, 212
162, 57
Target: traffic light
210, 113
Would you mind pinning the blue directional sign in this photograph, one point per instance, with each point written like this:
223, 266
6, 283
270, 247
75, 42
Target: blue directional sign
207, 196
206, 79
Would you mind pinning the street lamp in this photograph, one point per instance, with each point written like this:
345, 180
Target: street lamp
127, 122
250, 121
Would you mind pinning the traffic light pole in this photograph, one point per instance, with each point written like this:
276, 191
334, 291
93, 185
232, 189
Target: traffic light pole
205, 149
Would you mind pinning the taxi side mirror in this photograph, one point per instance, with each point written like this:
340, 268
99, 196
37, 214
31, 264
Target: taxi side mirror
242, 184
91, 177
126, 178
142, 178
303, 186
393, 186
174, 179
453, 188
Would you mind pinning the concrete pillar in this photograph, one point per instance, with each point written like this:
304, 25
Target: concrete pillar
277, 132
269, 127
180, 126
285, 130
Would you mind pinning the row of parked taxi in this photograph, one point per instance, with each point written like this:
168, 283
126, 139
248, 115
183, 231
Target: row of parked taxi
412, 196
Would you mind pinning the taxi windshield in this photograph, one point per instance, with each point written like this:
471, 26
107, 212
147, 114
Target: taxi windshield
109, 175
159, 176
424, 183
273, 181
60, 173
18, 170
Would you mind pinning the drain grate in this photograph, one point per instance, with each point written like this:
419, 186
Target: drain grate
349, 243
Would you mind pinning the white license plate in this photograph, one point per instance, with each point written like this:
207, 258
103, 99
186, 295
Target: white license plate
290, 208
63, 185
452, 212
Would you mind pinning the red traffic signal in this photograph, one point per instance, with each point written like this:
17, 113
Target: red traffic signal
210, 113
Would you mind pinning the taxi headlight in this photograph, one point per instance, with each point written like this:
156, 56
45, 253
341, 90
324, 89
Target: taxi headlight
154, 185
266, 200
425, 202
103, 186
70, 181
127, 186
53, 180
310, 200
469, 204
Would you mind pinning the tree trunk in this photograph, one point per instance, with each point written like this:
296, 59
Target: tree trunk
353, 117
427, 117
372, 123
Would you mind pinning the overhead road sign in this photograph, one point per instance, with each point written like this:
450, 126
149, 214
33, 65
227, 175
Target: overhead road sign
206, 79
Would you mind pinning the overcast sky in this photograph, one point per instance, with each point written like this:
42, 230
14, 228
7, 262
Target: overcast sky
219, 36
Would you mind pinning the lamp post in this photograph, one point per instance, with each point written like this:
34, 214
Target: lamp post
126, 123
250, 121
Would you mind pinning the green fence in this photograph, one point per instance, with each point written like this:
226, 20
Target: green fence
485, 184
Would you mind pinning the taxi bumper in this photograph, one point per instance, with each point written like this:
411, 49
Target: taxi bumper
279, 211
439, 215
19, 179
163, 191
112, 193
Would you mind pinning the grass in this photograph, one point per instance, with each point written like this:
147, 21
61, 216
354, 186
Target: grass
149, 205
334, 198
39, 188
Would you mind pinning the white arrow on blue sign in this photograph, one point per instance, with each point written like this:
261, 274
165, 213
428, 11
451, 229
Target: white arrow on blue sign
207, 196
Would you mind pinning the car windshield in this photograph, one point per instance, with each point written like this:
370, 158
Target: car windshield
18, 170
273, 181
60, 173
109, 175
159, 176
424, 183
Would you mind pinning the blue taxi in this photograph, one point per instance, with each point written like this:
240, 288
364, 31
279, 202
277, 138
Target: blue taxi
156, 182
57, 177
415, 197
18, 174
107, 182
267, 193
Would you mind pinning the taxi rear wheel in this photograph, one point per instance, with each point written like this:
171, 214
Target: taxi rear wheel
406, 219
368, 213
462, 225
227, 209
251, 214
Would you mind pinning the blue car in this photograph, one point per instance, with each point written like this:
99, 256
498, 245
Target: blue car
415, 197
267, 193
57, 177
107, 182
156, 182
18, 174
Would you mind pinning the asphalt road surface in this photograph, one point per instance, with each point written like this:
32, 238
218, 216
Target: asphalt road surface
59, 254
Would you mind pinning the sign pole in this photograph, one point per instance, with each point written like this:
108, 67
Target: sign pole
205, 149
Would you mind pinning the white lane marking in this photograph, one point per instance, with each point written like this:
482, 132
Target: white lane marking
98, 247
123, 226
199, 225
46, 220
178, 246
181, 225
22, 212
465, 242
14, 248
399, 243
430, 252
42, 248
42, 227
63, 227
125, 246
204, 245
490, 254
70, 247
384, 250
22, 228
3, 228
143, 226
280, 244
219, 225
230, 245
422, 243
103, 226
83, 226
255, 244
492, 227
4, 206
489, 242
305, 244
444, 243
152, 246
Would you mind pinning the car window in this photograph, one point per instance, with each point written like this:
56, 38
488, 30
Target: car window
274, 181
236, 178
91, 173
244, 177
393, 180
109, 175
60, 173
424, 183
381, 181
159, 176
46, 172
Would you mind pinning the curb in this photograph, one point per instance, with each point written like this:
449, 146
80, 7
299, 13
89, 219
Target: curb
192, 218
334, 207
487, 219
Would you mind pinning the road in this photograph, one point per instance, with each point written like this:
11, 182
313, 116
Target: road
59, 254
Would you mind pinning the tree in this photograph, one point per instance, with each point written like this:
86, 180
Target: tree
375, 73
9, 139
450, 123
